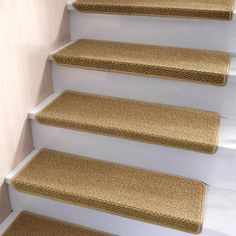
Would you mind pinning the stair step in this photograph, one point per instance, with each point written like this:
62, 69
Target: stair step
172, 126
27, 224
193, 95
191, 65
217, 220
140, 194
155, 157
164, 31
217, 9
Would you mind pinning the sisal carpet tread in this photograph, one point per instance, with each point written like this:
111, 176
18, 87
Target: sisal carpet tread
202, 66
172, 126
28, 224
211, 9
135, 193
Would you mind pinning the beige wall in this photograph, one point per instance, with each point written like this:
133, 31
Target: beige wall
29, 31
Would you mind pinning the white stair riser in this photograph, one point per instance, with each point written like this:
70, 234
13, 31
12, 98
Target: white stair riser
172, 92
215, 170
190, 33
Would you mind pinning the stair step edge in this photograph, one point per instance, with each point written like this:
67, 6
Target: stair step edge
231, 73
71, 8
214, 197
104, 200
226, 137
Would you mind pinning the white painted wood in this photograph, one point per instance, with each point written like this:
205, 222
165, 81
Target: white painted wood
189, 33
172, 92
219, 219
8, 221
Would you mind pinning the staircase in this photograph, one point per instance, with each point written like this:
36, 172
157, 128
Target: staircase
139, 136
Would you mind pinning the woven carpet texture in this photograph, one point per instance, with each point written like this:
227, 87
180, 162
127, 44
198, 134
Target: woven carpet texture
204, 9
28, 224
208, 67
140, 194
172, 126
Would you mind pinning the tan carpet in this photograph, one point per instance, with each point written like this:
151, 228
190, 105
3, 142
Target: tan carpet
211, 9
172, 126
140, 194
208, 67
28, 224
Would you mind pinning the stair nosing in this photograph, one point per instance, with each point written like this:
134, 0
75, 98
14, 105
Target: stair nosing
71, 8
231, 67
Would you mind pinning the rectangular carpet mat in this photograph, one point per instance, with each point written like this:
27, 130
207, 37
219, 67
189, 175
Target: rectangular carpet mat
172, 126
144, 195
203, 9
202, 66
28, 224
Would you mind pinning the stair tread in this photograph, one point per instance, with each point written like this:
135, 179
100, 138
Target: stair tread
135, 193
28, 224
217, 9
209, 67
172, 126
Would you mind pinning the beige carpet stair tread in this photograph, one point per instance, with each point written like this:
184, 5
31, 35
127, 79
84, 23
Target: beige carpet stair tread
135, 193
211, 9
172, 126
208, 67
28, 224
